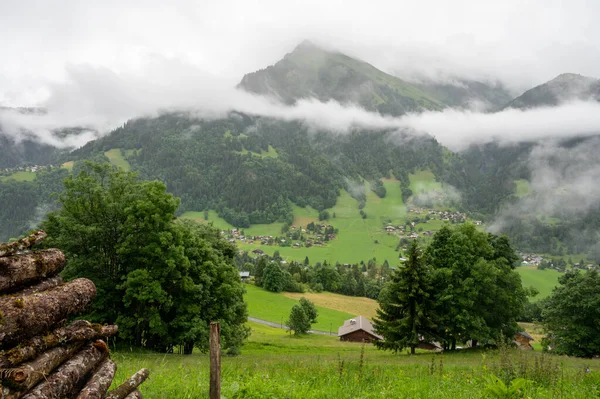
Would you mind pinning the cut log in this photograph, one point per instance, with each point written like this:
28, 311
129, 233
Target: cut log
43, 285
19, 380
66, 378
12, 248
100, 381
128, 386
17, 271
79, 330
22, 317
134, 395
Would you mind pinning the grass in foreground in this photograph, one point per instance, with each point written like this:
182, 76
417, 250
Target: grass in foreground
275, 365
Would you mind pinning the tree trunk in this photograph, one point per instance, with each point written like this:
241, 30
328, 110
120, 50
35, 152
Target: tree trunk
20, 380
67, 377
129, 386
43, 285
412, 349
188, 348
134, 395
12, 248
22, 317
453, 344
99, 383
20, 270
79, 330
474, 343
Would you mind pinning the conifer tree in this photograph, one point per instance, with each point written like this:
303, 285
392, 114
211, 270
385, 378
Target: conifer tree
404, 316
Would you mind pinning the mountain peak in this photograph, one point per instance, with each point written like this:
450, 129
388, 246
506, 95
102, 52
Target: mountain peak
565, 87
309, 71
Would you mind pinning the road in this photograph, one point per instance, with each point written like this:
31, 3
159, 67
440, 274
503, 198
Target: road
278, 325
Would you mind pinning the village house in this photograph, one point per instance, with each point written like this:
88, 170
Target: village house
244, 276
523, 340
358, 329
258, 251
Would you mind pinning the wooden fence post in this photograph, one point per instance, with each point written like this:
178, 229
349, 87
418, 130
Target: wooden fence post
215, 360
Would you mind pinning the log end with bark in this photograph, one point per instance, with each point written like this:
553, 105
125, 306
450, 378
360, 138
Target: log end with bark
126, 388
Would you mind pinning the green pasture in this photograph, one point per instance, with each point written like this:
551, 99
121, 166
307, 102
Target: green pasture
522, 188
270, 153
19, 176
116, 158
273, 307
423, 181
543, 280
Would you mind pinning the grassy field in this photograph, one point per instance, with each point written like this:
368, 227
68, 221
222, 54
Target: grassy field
116, 158
423, 181
522, 188
270, 153
543, 280
19, 176
349, 304
276, 365
68, 165
273, 307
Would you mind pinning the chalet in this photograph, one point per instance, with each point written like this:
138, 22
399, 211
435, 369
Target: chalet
258, 251
523, 340
390, 229
244, 276
358, 329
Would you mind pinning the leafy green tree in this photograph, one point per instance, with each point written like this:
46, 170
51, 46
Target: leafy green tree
161, 280
273, 279
478, 293
572, 312
309, 309
405, 313
323, 215
259, 272
299, 321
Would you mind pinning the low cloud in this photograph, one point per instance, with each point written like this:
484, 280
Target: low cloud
563, 182
98, 99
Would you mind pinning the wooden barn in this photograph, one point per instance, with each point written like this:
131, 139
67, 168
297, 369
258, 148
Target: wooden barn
523, 340
358, 329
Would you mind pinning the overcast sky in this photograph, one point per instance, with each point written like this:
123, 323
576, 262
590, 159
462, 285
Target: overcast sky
522, 43
101, 63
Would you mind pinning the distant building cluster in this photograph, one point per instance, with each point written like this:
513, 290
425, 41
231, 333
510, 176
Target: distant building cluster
26, 168
296, 237
530, 259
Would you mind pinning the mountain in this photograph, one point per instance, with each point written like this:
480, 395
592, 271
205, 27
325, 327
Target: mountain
464, 93
311, 72
563, 88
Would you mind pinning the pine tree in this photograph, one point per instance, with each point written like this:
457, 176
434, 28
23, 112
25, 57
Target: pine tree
404, 315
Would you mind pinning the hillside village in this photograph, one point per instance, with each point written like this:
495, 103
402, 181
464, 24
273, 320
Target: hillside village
313, 234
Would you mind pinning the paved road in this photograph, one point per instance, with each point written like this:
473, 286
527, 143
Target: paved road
278, 325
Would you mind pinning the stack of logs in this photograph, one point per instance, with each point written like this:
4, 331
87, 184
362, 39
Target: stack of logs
40, 355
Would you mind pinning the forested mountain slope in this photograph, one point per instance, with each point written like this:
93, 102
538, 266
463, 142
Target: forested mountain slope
247, 168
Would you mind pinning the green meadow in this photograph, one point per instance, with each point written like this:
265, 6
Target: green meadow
115, 156
19, 176
276, 308
543, 280
274, 364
